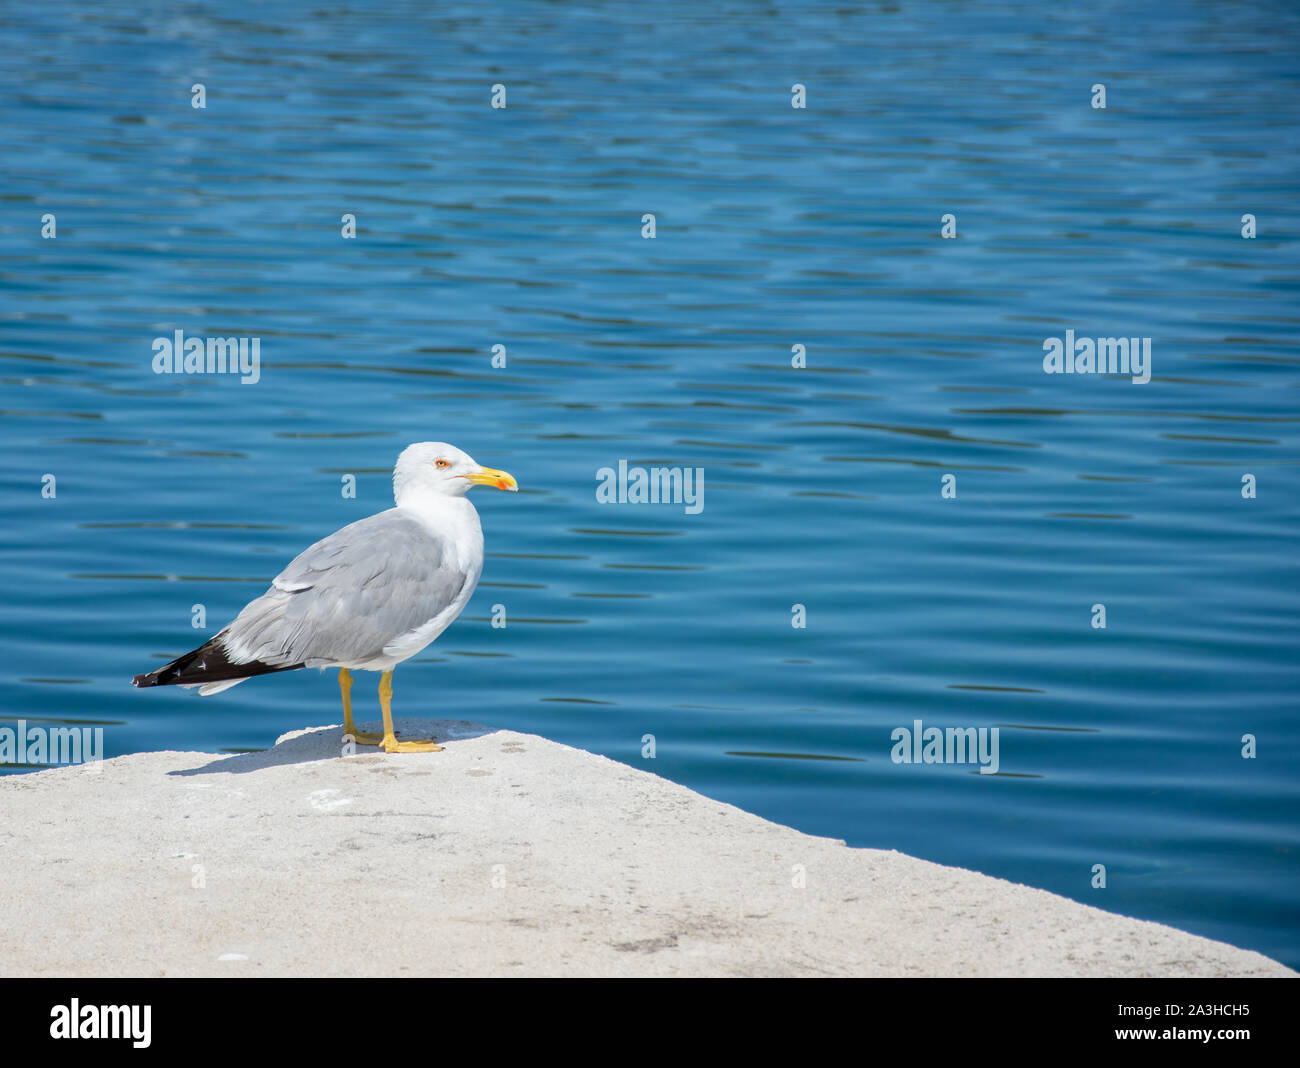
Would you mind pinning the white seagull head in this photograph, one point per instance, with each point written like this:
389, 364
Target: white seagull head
434, 467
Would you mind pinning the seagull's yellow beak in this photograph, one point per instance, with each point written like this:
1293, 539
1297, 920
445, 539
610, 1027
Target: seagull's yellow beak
490, 476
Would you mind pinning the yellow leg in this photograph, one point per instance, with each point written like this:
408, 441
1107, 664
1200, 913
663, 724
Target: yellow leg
345, 688
390, 742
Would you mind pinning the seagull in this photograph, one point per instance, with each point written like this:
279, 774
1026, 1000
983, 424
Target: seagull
365, 598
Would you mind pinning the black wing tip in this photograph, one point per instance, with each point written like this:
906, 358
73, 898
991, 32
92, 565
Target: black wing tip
180, 670
213, 666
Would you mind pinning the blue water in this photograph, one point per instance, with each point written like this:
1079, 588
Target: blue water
776, 227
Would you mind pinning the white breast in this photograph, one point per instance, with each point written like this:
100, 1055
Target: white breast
455, 520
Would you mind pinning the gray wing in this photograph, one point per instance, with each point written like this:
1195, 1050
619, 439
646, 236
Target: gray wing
346, 597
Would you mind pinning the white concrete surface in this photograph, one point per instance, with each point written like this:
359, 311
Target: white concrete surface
507, 854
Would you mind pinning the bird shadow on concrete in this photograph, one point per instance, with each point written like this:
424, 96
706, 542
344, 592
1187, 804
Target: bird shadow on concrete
326, 743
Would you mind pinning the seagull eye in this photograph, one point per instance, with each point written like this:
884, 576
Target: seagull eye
442, 463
